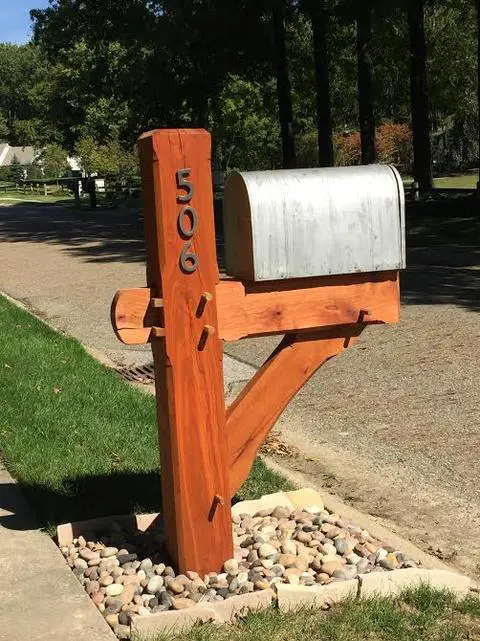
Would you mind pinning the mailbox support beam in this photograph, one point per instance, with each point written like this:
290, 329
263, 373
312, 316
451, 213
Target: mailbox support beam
181, 268
257, 309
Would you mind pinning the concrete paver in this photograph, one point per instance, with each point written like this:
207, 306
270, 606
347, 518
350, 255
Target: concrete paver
40, 598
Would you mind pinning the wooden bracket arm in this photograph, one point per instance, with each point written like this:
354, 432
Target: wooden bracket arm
258, 309
136, 316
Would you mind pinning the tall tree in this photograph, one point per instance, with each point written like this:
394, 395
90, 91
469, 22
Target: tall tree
284, 90
365, 81
422, 154
478, 85
319, 18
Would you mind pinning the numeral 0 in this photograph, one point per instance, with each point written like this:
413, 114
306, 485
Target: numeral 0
192, 214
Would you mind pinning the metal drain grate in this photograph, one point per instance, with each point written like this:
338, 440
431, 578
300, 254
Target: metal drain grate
144, 374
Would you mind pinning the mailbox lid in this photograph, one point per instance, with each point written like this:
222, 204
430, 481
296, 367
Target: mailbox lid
314, 222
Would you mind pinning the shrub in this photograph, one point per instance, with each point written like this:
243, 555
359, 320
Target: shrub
347, 148
394, 145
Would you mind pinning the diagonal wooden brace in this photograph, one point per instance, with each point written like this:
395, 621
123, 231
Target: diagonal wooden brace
255, 411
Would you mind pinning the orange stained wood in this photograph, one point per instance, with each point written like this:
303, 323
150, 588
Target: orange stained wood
270, 308
284, 306
181, 267
261, 402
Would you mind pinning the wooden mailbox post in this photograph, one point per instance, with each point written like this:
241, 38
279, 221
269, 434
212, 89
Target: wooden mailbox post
186, 311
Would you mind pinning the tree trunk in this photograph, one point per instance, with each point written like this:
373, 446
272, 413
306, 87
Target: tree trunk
319, 18
422, 154
478, 85
365, 83
283, 86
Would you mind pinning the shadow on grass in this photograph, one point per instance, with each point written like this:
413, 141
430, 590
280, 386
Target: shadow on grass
89, 497
84, 498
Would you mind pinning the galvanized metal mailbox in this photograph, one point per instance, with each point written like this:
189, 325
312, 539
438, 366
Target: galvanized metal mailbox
314, 222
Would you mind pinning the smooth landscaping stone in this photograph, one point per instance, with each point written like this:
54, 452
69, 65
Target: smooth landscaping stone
277, 546
114, 589
291, 598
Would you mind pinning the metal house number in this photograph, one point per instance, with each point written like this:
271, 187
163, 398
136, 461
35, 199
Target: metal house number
187, 221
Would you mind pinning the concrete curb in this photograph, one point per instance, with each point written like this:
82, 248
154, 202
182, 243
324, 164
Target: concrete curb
220, 612
287, 596
376, 584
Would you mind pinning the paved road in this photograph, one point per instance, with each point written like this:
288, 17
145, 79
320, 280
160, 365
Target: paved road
392, 426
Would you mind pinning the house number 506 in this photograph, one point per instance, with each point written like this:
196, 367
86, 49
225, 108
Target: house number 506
187, 221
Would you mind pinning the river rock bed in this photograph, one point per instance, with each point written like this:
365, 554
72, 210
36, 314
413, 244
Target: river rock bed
126, 574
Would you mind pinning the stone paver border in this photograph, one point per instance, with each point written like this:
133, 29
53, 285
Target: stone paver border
287, 597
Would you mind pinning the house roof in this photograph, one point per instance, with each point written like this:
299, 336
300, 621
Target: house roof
23, 155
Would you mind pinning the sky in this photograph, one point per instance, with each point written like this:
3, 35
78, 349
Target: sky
15, 19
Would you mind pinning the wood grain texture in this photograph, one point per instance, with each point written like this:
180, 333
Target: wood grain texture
189, 380
133, 317
285, 306
313, 222
275, 307
253, 414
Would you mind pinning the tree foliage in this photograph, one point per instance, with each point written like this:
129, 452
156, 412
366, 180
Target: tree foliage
99, 73
54, 161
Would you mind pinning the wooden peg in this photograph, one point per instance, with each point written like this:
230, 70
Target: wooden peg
218, 501
157, 303
362, 314
208, 330
158, 332
205, 298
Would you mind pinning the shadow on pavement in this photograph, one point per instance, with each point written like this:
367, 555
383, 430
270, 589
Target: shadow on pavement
443, 241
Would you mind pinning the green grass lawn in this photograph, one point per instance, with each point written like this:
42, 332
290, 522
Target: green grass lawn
468, 181
17, 196
464, 181
422, 614
81, 441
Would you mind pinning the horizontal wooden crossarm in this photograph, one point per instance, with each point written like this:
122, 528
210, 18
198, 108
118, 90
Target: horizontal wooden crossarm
254, 412
272, 308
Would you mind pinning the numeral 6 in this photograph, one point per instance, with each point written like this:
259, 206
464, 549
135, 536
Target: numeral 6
188, 260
